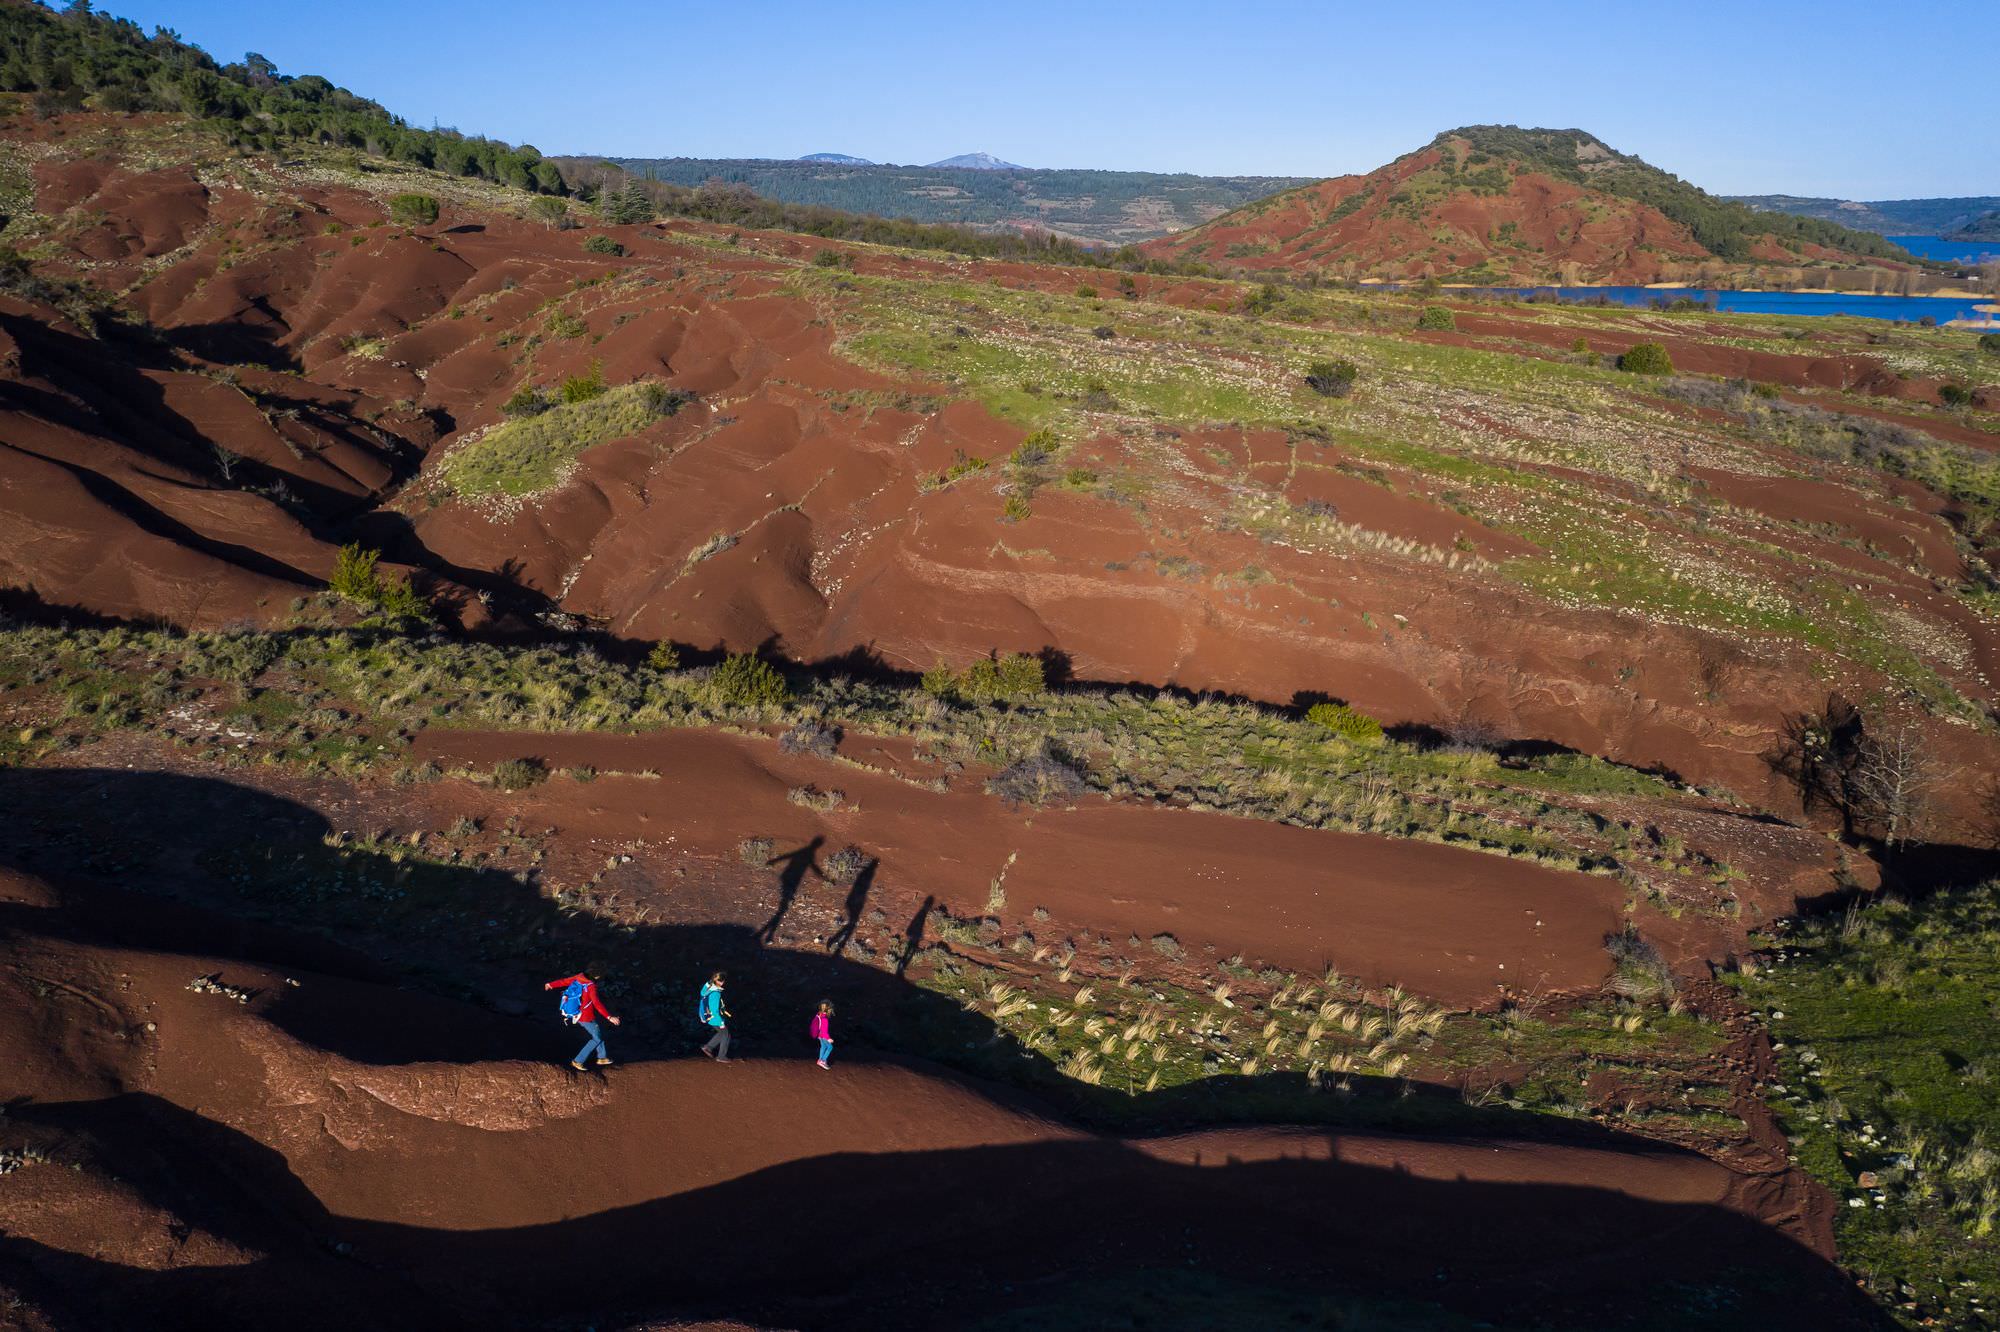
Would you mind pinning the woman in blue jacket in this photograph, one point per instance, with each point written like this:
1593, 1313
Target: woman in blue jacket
716, 1016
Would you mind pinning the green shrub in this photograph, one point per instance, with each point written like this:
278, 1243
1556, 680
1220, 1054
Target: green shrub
563, 324
1079, 478
1332, 379
1990, 343
664, 656
1436, 317
413, 210
1646, 358
1954, 395
354, 577
1016, 508
1086, 291
992, 679
745, 680
1581, 346
548, 210
1355, 727
604, 245
400, 600
584, 387
833, 259
357, 581
940, 681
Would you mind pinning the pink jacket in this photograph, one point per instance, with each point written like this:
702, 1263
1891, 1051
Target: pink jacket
822, 1027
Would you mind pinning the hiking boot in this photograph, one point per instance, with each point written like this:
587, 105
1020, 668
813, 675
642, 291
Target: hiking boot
578, 1067
604, 1063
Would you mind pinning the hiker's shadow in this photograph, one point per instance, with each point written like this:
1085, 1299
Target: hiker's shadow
857, 901
793, 868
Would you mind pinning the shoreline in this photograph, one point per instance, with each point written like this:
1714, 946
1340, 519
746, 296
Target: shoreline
1683, 286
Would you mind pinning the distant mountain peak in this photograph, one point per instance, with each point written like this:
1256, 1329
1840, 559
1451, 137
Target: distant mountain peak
843, 159
978, 162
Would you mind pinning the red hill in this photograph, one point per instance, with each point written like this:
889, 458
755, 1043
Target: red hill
1500, 204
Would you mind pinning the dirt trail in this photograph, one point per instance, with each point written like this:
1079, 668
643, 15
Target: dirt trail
1292, 897
249, 1172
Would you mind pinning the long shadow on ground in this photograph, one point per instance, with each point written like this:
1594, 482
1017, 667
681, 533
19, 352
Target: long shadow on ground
911, 1238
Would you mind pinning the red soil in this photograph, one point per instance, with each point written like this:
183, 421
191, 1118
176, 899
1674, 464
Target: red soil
1280, 895
112, 498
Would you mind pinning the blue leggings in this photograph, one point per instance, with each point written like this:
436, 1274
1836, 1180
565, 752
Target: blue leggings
825, 1049
596, 1043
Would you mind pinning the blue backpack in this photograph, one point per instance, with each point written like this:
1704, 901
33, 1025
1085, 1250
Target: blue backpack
572, 1002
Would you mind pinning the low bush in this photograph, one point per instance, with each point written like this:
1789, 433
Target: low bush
755, 850
1044, 777
1954, 395
661, 400
1355, 727
528, 400
810, 737
1036, 449
583, 387
845, 865
988, 680
1436, 317
664, 656
357, 581
1086, 291
549, 210
833, 259
519, 774
745, 680
1642, 973
1646, 358
413, 210
1332, 379
1990, 343
604, 245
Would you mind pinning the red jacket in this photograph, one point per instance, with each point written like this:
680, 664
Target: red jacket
592, 1007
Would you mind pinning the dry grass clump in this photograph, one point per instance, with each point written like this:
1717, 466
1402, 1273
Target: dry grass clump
1044, 777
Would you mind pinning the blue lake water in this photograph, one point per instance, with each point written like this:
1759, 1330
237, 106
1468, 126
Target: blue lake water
1955, 252
1941, 308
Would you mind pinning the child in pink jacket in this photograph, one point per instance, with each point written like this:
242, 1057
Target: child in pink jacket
822, 1030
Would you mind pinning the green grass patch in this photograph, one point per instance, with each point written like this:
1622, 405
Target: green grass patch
536, 453
1890, 1058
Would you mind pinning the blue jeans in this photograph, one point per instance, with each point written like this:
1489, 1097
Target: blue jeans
825, 1049
596, 1043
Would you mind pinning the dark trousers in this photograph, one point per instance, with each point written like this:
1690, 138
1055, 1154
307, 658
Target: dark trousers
718, 1044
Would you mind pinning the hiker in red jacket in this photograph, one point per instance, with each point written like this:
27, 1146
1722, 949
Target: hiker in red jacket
581, 1005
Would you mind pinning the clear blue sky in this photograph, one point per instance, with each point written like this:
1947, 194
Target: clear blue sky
1839, 97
